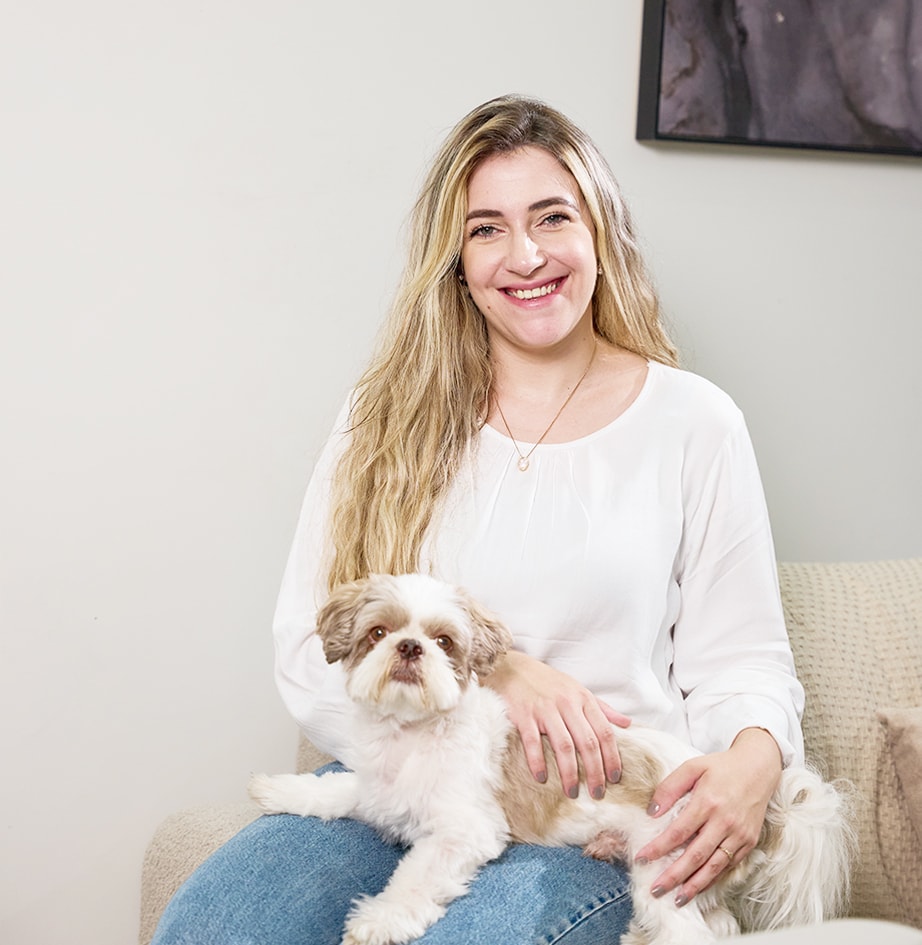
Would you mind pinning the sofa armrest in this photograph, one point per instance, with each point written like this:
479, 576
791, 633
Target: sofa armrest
187, 838
181, 843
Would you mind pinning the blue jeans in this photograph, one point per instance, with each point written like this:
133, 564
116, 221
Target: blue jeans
287, 880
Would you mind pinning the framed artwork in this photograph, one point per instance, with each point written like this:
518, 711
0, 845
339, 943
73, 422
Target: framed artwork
844, 75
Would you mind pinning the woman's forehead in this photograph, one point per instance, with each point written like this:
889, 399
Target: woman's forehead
529, 174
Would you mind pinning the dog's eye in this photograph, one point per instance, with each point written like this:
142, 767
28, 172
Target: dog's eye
376, 634
445, 643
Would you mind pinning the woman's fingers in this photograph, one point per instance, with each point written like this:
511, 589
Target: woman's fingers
700, 864
582, 737
601, 718
578, 727
703, 861
614, 716
533, 746
565, 755
720, 822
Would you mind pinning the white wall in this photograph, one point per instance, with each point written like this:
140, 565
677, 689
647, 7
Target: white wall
199, 215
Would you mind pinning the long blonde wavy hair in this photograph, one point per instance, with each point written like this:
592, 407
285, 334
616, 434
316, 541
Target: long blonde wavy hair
424, 396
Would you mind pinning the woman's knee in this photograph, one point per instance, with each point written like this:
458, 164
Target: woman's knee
540, 896
282, 880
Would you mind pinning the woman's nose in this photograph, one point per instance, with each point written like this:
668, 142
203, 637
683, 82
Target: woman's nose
525, 255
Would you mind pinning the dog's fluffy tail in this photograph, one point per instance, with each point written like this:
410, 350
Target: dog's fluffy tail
800, 872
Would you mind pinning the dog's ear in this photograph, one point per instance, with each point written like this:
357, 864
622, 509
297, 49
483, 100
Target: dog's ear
336, 620
491, 638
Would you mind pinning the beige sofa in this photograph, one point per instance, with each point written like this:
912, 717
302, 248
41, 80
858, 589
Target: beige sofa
856, 630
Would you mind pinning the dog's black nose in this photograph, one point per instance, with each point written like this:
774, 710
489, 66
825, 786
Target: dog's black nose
410, 649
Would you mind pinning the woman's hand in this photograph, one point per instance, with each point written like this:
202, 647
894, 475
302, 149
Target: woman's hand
540, 701
730, 791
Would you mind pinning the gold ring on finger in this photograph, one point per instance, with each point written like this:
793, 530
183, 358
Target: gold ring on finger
727, 853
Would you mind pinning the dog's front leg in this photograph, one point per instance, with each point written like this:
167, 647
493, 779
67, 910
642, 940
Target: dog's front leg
436, 870
328, 796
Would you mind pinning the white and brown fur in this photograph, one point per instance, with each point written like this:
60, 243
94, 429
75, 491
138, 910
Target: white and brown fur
440, 768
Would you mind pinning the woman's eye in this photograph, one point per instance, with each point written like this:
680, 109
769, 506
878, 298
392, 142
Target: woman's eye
376, 634
444, 643
484, 231
555, 219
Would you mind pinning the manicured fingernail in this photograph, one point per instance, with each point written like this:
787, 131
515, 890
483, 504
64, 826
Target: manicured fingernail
681, 900
574, 791
614, 777
653, 809
598, 793
657, 891
541, 777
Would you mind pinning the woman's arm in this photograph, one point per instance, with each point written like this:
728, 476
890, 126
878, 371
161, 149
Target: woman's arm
733, 664
732, 659
312, 690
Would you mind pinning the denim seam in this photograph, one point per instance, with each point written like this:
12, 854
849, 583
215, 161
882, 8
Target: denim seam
598, 905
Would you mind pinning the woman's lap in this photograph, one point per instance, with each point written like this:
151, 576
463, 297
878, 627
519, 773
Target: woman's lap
288, 880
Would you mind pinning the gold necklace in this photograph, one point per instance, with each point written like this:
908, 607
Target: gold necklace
523, 463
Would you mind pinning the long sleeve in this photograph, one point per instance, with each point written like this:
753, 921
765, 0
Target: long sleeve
311, 689
732, 658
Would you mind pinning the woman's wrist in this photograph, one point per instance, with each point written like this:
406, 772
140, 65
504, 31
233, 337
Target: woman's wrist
504, 669
759, 741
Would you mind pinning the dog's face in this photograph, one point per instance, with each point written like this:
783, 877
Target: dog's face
410, 645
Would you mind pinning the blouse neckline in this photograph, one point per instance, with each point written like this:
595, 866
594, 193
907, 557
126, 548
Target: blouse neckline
653, 367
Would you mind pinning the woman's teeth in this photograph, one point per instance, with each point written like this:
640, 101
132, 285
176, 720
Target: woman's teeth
533, 293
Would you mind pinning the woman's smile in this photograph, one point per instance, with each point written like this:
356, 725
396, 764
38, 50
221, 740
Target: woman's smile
537, 292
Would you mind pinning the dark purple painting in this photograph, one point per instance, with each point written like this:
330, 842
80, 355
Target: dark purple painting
840, 74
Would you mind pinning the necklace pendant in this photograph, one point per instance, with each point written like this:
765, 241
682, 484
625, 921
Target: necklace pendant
523, 464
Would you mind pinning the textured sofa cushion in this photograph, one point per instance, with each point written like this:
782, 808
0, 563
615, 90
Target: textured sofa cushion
183, 841
904, 731
856, 631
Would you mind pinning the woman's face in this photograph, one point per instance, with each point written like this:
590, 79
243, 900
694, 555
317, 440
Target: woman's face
529, 251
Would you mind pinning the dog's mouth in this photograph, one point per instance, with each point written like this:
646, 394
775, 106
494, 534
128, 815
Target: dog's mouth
407, 671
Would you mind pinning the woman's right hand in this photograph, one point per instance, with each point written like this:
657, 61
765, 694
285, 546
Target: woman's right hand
540, 701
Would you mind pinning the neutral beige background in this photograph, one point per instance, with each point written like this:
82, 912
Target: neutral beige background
200, 207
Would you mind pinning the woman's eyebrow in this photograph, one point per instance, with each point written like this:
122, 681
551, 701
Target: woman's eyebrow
537, 205
554, 202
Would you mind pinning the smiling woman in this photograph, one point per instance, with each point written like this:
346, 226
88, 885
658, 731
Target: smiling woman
627, 549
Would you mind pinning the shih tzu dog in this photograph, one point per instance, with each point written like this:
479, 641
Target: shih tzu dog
442, 770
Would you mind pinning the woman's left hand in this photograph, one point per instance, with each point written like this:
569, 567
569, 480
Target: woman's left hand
721, 823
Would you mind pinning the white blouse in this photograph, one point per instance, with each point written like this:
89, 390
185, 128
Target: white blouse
638, 559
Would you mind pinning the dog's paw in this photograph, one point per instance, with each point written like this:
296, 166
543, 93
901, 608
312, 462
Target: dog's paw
377, 921
278, 794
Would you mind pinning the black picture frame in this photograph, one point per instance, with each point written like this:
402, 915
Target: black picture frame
836, 75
